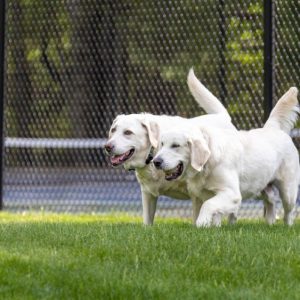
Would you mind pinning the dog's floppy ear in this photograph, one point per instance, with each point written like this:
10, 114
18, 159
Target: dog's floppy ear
153, 131
199, 152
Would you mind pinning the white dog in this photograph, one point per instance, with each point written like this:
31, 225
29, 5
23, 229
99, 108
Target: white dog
223, 166
133, 140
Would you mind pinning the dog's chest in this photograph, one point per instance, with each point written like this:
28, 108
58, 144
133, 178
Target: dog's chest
174, 189
154, 182
197, 186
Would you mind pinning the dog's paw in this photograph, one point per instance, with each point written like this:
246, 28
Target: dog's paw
203, 222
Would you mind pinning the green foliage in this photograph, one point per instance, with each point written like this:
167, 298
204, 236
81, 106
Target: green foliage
38, 59
161, 42
59, 54
46, 256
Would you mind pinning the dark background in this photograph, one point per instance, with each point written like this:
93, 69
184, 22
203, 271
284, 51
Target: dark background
73, 65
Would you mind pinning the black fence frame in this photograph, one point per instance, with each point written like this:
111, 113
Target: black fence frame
2, 82
269, 72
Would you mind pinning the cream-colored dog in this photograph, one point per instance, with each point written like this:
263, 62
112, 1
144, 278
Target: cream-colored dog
222, 166
133, 140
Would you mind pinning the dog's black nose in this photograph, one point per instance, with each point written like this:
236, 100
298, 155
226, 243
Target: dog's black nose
157, 162
108, 148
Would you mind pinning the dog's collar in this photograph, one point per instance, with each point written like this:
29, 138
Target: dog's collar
150, 156
148, 159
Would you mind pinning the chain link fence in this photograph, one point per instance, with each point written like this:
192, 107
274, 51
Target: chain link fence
73, 65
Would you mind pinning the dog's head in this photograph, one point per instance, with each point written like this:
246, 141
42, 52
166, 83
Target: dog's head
130, 140
178, 150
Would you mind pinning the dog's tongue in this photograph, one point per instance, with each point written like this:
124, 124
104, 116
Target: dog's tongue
119, 158
172, 175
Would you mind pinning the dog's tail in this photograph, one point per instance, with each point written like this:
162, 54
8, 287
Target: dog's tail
285, 113
204, 97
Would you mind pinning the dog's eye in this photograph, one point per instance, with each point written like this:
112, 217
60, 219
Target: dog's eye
113, 130
175, 146
128, 132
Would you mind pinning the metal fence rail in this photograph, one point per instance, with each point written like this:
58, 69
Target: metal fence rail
71, 66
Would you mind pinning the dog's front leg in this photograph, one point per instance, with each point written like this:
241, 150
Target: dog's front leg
149, 207
225, 202
196, 203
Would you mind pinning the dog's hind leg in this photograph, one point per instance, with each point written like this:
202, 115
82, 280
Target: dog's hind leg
288, 193
287, 183
269, 198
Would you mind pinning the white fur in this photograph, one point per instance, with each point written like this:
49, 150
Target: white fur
232, 165
285, 115
145, 130
204, 97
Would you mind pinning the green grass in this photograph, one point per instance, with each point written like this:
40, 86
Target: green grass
46, 256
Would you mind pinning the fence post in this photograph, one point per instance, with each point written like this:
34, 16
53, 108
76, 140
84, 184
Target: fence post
2, 76
222, 45
268, 58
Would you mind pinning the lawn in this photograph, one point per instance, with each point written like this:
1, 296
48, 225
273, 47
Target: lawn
47, 256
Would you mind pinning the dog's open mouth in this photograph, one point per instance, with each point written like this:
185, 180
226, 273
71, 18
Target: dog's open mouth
117, 160
174, 173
